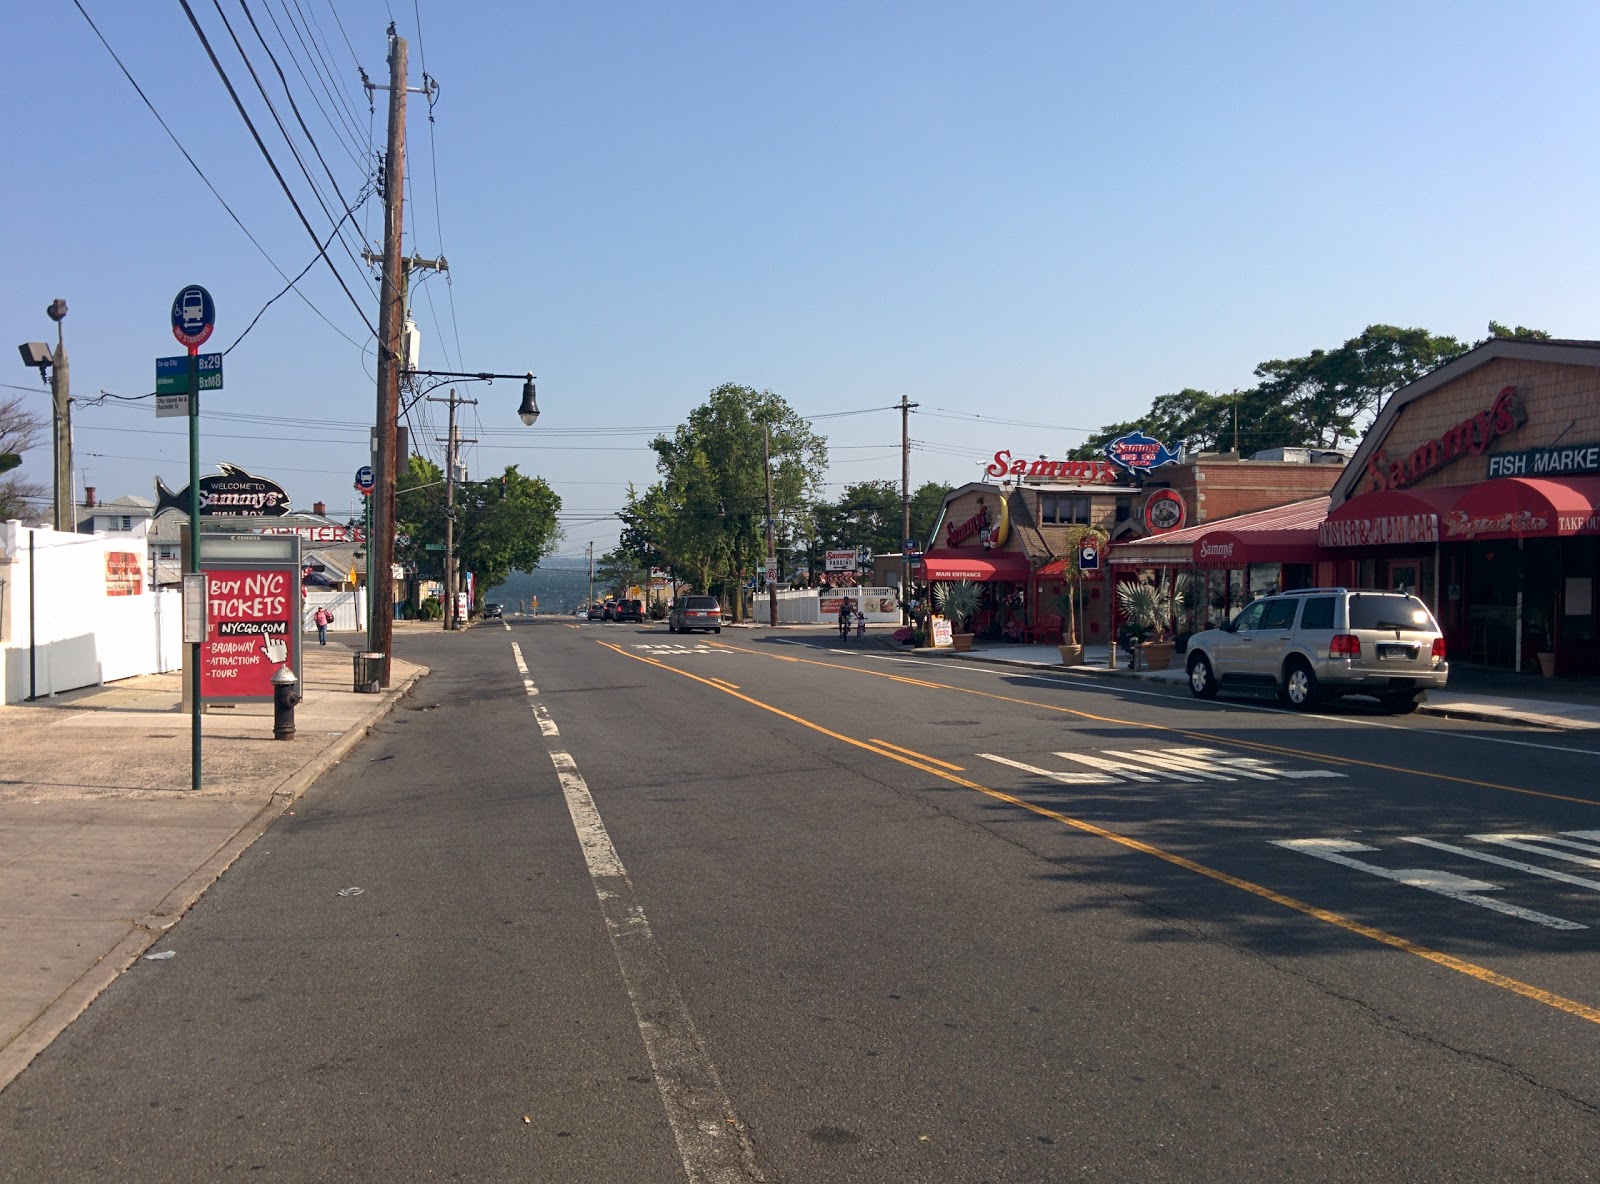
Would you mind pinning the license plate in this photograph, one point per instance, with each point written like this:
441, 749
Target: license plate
1397, 653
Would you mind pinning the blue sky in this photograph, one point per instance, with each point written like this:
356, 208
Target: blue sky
1031, 219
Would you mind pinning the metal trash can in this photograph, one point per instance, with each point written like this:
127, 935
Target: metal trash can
369, 673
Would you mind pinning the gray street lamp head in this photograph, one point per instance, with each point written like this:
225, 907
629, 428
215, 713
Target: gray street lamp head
529, 411
56, 310
38, 355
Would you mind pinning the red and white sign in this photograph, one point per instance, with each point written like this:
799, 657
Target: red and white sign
124, 574
1471, 437
841, 561
251, 630
320, 534
1165, 510
1044, 469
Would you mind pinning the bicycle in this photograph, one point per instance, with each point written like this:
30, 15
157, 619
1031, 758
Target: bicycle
844, 628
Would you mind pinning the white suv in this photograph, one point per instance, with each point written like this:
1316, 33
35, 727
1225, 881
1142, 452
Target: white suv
1317, 643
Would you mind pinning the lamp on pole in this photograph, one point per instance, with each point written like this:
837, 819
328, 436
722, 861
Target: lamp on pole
53, 369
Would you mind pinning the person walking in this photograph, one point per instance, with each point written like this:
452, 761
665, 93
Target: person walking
322, 618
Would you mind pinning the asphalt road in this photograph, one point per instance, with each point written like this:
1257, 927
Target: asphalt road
643, 907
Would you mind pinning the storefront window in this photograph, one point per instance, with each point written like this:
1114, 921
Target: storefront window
1063, 509
1494, 572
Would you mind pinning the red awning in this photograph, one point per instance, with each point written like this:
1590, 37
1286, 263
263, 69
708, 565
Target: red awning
1388, 516
973, 565
1525, 507
1235, 548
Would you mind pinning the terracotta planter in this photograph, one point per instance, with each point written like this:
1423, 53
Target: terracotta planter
1071, 655
961, 642
1547, 664
1156, 655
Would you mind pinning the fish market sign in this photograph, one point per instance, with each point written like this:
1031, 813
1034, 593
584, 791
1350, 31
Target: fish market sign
231, 493
1545, 462
1140, 454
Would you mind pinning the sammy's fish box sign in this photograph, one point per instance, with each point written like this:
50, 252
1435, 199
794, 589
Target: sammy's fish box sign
231, 493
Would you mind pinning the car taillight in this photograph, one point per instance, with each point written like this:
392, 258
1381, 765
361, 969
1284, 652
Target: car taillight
1345, 645
1438, 649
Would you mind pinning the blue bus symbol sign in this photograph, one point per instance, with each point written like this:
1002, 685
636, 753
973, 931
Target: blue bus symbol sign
194, 316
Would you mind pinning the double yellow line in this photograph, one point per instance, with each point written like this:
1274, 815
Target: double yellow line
951, 773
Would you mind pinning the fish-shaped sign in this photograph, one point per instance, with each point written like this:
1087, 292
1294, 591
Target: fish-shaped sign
231, 493
1139, 453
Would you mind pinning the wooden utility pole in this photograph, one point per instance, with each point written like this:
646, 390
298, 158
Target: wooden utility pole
391, 317
65, 517
772, 549
905, 508
452, 460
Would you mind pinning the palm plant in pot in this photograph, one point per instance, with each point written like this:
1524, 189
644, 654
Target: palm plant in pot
1145, 612
958, 600
1065, 601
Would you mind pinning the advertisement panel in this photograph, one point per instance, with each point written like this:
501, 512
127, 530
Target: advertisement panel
250, 632
841, 560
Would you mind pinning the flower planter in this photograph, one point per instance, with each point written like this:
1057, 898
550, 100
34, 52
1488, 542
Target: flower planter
1155, 655
962, 642
1547, 663
1071, 655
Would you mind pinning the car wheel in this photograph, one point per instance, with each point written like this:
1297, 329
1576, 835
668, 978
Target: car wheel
1202, 680
1300, 686
1399, 704
717, 630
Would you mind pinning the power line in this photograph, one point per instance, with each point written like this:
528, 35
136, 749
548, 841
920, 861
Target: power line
201, 174
282, 184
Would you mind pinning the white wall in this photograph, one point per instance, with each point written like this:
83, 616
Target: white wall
58, 609
349, 609
805, 606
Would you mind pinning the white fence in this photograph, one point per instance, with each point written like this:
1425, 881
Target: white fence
816, 606
78, 610
349, 609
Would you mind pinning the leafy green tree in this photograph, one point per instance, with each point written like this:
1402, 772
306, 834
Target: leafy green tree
927, 500
19, 431
502, 524
1520, 333
713, 487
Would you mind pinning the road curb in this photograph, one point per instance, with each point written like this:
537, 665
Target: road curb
75, 999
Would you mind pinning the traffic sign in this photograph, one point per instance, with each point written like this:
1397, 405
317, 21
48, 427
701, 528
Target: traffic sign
172, 374
911, 546
1089, 556
365, 479
194, 317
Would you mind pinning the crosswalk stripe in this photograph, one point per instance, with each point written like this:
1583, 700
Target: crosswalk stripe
1501, 861
1122, 768
1167, 761
1522, 843
1462, 888
1064, 778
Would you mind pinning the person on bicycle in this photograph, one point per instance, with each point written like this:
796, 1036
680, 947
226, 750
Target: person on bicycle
845, 614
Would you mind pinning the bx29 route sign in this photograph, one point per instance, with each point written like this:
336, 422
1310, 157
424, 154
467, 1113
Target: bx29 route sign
172, 374
194, 316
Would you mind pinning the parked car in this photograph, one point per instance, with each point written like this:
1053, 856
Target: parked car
689, 613
630, 610
582, 612
597, 612
491, 610
608, 611
1321, 643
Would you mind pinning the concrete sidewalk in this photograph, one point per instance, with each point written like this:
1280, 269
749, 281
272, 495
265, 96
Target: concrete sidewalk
103, 845
1572, 704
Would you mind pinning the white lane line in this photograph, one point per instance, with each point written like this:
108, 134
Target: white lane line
1592, 835
1446, 884
1064, 778
712, 1141
1501, 861
1540, 845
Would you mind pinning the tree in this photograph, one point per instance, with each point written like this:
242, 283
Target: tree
1520, 333
19, 431
868, 514
503, 524
712, 515
926, 502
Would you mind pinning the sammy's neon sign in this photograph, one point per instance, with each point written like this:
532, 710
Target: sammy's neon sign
1046, 469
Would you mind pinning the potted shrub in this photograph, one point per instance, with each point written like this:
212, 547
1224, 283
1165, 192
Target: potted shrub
1147, 612
1065, 602
958, 600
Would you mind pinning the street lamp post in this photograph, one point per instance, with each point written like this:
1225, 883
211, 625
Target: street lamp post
53, 369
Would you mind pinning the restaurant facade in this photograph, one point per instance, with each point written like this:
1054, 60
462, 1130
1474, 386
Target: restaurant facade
1478, 488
